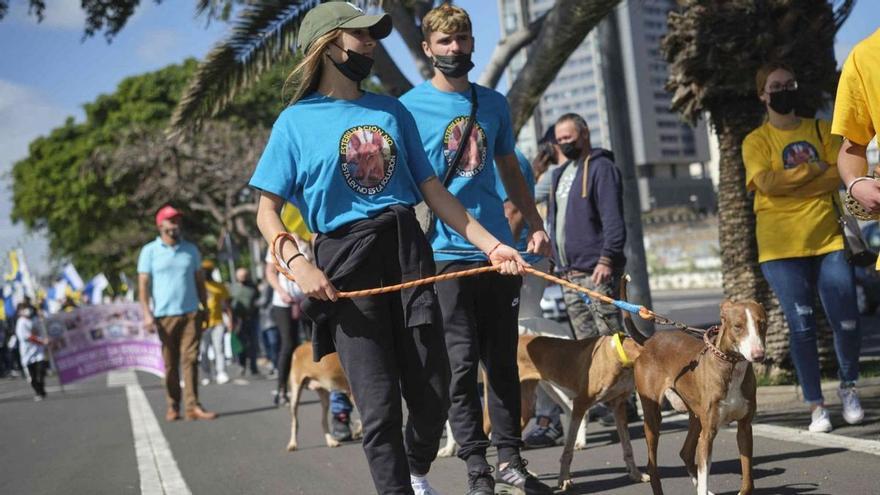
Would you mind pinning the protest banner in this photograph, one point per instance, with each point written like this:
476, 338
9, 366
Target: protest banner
95, 339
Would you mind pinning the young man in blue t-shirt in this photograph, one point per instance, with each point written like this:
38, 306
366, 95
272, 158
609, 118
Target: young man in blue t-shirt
479, 312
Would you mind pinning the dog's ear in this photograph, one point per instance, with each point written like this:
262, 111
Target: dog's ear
726, 306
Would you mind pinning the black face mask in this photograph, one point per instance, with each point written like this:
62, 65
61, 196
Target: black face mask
783, 102
356, 68
571, 150
454, 65
174, 234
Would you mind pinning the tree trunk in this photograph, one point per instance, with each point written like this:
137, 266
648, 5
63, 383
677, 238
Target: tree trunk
564, 28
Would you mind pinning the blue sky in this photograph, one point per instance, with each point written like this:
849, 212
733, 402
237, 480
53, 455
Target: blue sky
47, 72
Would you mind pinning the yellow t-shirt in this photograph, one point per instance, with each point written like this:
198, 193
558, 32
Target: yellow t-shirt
857, 106
217, 294
793, 209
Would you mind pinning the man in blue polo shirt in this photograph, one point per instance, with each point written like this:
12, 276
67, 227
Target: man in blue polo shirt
169, 274
480, 312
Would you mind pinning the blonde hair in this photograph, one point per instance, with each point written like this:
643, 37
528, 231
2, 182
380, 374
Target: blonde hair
446, 19
307, 73
764, 73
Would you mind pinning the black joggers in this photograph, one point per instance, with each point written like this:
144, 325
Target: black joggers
480, 316
384, 360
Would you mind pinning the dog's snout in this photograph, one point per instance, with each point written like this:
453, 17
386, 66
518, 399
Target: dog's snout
758, 355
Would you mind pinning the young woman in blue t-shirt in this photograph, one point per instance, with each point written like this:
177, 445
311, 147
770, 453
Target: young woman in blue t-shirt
353, 163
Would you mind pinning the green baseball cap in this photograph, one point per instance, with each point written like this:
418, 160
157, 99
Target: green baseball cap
326, 17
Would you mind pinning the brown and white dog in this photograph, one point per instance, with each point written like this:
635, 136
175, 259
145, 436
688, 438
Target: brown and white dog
323, 377
579, 374
715, 384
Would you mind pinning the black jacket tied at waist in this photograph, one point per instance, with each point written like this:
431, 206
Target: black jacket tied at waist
341, 252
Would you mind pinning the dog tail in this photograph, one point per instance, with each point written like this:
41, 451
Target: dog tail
628, 324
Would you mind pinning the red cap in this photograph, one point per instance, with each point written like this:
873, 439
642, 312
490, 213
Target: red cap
165, 213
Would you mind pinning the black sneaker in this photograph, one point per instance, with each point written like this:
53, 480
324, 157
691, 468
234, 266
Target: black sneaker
481, 483
515, 479
341, 427
545, 434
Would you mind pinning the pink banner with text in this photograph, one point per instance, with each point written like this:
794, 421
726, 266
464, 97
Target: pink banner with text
96, 339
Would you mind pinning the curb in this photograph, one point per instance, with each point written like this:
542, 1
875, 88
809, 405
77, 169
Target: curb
780, 394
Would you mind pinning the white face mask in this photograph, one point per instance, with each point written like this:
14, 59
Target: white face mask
27, 312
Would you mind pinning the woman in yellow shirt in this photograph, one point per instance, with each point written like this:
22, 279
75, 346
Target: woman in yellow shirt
791, 167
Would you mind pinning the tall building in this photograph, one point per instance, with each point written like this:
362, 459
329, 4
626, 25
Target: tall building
615, 79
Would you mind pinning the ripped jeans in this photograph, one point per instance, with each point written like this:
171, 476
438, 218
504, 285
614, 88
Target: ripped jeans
795, 282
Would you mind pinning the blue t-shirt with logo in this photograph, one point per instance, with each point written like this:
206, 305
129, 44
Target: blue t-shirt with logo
442, 117
526, 168
340, 161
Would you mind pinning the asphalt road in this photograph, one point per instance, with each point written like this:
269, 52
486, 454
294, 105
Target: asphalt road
84, 441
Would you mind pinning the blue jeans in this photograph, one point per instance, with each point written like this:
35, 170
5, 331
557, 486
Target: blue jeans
339, 403
795, 282
270, 344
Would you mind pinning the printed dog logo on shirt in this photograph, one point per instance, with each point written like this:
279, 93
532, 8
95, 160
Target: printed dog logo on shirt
473, 158
797, 153
368, 157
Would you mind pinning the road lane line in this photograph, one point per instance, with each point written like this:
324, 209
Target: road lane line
158, 470
797, 435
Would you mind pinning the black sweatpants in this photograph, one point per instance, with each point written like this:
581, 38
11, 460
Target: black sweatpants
480, 316
288, 330
38, 376
382, 360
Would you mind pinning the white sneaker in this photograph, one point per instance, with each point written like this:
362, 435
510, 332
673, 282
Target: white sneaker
421, 486
821, 420
222, 378
852, 407
206, 381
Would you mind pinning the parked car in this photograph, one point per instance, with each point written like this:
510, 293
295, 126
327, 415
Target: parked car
553, 304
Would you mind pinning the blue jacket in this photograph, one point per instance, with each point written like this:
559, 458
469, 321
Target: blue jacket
594, 228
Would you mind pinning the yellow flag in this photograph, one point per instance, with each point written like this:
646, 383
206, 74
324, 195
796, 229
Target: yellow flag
14, 267
293, 221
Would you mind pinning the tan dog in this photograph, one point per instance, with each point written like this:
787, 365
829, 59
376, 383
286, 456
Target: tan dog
322, 377
714, 386
581, 372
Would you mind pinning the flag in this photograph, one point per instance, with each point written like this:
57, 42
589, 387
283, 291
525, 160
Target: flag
14, 268
8, 303
26, 279
293, 221
71, 276
95, 288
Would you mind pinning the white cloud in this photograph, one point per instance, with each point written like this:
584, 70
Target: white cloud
156, 45
25, 114
59, 14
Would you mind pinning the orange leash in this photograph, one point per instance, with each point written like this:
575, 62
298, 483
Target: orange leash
642, 311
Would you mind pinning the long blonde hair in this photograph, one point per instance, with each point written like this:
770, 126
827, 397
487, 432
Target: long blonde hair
307, 73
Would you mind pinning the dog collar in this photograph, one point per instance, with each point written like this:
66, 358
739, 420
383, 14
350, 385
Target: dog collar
707, 339
617, 344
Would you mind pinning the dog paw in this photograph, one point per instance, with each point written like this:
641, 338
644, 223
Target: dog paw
291, 446
580, 445
446, 451
564, 485
357, 431
640, 477
331, 442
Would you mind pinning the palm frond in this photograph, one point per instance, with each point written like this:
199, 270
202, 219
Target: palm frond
263, 33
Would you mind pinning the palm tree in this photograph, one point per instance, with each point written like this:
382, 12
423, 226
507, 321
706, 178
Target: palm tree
714, 48
265, 32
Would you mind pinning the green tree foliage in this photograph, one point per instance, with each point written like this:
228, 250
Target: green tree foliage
95, 198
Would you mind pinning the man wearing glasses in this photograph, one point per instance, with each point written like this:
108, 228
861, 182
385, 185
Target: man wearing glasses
169, 273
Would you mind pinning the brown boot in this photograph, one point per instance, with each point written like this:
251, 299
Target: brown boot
199, 413
171, 414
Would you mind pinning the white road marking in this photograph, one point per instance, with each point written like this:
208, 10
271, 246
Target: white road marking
158, 470
797, 435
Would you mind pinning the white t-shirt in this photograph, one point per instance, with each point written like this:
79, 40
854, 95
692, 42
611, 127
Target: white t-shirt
288, 285
30, 352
